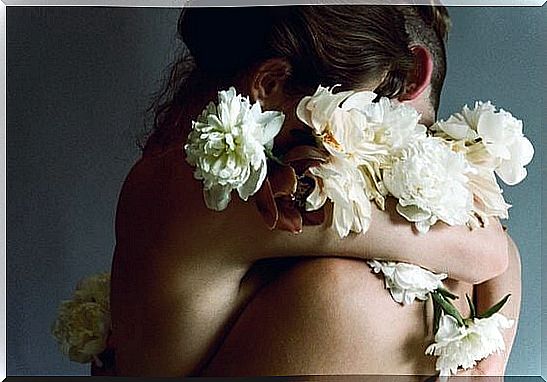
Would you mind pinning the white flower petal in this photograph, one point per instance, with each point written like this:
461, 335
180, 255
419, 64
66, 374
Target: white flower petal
358, 100
272, 127
413, 213
462, 347
341, 182
512, 171
316, 199
254, 182
407, 282
217, 197
227, 147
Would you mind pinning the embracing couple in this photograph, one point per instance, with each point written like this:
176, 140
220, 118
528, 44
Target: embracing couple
208, 293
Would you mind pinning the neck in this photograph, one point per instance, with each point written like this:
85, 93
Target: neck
423, 104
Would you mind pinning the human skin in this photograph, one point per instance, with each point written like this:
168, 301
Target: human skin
486, 295
332, 316
179, 280
178, 267
297, 333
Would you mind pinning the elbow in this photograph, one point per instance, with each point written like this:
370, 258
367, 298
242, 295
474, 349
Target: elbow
493, 258
494, 265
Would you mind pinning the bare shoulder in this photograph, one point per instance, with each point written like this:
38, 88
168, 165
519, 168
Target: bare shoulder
170, 282
161, 205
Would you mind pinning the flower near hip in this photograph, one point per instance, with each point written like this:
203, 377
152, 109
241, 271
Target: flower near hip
82, 325
430, 182
407, 282
463, 346
228, 145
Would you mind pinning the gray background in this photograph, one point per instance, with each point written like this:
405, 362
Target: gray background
78, 82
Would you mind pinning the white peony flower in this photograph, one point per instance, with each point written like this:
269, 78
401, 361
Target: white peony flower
430, 181
407, 282
463, 347
463, 125
341, 127
502, 136
83, 323
488, 198
344, 132
227, 146
341, 182
394, 124
507, 150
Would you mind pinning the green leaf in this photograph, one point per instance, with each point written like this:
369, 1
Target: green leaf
494, 309
471, 307
447, 307
436, 316
447, 293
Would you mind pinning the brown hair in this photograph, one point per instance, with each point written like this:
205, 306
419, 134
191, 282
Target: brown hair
429, 26
347, 45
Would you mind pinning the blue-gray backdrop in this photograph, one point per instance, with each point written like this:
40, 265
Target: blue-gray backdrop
78, 82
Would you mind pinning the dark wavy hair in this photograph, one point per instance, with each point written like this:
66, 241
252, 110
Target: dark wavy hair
350, 45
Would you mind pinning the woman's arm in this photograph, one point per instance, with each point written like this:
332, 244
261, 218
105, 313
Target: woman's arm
448, 249
239, 236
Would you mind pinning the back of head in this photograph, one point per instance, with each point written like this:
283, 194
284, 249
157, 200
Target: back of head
429, 26
351, 45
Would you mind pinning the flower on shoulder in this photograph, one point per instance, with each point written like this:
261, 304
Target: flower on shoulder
341, 182
228, 145
394, 124
339, 125
502, 136
352, 177
463, 346
83, 324
407, 282
502, 146
488, 198
463, 125
430, 182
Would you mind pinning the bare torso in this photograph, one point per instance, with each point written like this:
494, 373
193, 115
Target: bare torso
183, 292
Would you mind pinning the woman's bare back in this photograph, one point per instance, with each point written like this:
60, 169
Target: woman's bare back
328, 316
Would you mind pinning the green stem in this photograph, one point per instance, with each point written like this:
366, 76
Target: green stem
447, 293
471, 306
447, 307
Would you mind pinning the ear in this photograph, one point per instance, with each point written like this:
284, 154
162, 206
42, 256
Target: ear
268, 81
420, 76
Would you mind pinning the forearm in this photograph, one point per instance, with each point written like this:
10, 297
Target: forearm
448, 249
